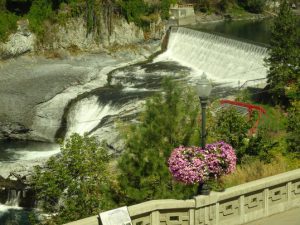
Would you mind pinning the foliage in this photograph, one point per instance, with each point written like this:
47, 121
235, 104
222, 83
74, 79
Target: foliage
256, 169
293, 129
254, 6
232, 127
284, 57
169, 120
165, 6
192, 165
74, 184
261, 146
8, 24
40, 11
133, 10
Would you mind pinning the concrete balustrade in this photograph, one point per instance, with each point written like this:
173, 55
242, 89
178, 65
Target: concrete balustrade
236, 205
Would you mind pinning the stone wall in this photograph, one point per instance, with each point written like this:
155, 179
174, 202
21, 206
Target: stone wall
236, 205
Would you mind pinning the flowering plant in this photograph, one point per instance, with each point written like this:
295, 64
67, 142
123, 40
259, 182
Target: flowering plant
192, 165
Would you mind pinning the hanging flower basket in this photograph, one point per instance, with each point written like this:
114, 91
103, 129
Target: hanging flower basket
191, 165
187, 165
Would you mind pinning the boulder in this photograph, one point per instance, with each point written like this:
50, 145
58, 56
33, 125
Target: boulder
18, 43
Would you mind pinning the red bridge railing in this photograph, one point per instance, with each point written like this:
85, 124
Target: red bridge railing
250, 109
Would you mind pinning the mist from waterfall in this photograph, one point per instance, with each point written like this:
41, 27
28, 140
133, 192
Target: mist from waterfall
223, 59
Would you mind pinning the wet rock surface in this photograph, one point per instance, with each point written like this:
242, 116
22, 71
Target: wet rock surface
34, 91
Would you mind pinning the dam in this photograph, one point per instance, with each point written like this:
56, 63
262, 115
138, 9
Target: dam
225, 60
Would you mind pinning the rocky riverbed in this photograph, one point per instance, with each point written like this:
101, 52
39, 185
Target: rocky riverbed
35, 91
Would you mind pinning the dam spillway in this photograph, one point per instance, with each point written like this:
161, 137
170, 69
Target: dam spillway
223, 59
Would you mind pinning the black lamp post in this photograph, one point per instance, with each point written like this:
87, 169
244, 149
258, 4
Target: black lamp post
204, 88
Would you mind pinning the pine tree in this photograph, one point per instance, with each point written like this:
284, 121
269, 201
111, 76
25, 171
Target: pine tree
169, 120
284, 59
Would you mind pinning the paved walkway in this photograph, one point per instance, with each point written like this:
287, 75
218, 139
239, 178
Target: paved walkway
290, 217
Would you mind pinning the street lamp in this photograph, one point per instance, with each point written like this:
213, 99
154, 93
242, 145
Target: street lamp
203, 89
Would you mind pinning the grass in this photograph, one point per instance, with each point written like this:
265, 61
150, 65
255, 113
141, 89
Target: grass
274, 120
257, 169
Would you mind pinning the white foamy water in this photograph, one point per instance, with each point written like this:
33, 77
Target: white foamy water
86, 114
28, 151
5, 208
222, 59
21, 156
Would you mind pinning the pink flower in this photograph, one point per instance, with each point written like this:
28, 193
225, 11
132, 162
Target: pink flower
192, 165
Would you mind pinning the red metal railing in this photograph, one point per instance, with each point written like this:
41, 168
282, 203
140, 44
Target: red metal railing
250, 109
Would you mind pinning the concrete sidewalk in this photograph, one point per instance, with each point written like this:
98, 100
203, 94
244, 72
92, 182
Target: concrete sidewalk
290, 217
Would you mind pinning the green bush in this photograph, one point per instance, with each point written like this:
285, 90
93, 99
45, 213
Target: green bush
169, 120
76, 183
293, 129
133, 10
40, 11
165, 6
8, 24
231, 127
261, 146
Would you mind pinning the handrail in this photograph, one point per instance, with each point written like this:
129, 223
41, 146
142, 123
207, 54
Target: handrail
240, 87
236, 205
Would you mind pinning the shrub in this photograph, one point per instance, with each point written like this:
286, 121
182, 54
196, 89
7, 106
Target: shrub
76, 183
165, 6
261, 146
232, 127
8, 24
40, 11
133, 10
293, 129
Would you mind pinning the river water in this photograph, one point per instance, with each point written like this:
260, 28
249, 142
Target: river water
255, 31
140, 81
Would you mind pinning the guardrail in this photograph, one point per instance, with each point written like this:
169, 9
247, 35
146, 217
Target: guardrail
255, 82
236, 205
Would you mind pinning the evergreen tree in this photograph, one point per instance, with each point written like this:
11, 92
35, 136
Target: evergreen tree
169, 120
284, 59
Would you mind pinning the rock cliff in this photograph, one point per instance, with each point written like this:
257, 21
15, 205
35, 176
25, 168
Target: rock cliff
73, 35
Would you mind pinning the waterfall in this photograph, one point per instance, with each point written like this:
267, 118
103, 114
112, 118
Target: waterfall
86, 114
13, 198
223, 59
